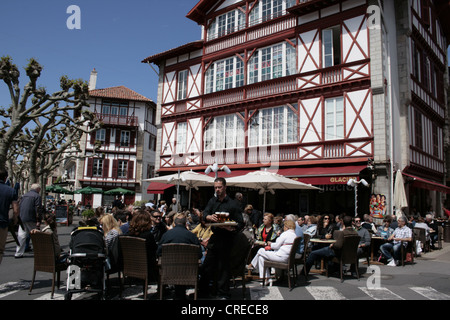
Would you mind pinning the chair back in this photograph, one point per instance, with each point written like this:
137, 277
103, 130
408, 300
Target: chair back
44, 251
134, 257
349, 252
294, 249
306, 238
179, 264
420, 234
240, 253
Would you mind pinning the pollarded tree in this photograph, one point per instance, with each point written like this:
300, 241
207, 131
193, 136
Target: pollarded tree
35, 103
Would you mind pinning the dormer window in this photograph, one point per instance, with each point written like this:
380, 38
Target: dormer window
226, 23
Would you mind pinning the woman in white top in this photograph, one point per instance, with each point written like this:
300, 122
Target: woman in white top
276, 251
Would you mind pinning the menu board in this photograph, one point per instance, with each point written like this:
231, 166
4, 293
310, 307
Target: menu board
62, 214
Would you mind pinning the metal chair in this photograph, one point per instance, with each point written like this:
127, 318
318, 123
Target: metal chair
45, 258
178, 265
134, 259
348, 255
288, 266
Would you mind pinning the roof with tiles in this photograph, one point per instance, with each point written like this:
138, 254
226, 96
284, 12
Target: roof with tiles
120, 92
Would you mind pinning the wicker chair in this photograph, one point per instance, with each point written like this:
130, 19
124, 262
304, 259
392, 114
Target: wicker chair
288, 266
178, 265
304, 256
45, 258
134, 260
349, 255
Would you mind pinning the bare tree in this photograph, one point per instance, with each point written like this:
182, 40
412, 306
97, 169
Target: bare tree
57, 119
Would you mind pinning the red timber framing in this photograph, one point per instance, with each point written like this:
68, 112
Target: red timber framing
350, 79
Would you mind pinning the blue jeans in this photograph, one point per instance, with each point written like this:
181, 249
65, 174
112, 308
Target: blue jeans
388, 247
325, 252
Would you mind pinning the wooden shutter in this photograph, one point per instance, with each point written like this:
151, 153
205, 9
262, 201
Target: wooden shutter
117, 138
105, 168
107, 136
90, 165
130, 169
132, 138
93, 134
115, 168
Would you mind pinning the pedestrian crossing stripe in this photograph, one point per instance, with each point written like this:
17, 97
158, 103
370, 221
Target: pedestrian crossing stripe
430, 293
325, 293
381, 294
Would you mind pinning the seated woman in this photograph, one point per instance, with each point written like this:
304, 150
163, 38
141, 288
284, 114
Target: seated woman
312, 226
140, 226
276, 251
385, 230
325, 227
267, 231
110, 228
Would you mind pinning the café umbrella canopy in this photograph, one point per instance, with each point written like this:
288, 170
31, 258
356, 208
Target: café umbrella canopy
57, 189
89, 190
400, 200
266, 181
118, 191
188, 179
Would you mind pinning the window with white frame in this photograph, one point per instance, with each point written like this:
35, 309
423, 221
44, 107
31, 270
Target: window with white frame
331, 46
100, 135
272, 62
225, 132
334, 118
182, 84
97, 168
266, 10
181, 137
124, 138
122, 169
224, 74
272, 126
226, 23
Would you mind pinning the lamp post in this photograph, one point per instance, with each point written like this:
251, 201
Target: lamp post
215, 168
354, 183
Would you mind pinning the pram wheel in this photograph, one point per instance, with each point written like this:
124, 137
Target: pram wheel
68, 296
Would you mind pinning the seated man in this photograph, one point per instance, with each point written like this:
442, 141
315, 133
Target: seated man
402, 233
365, 237
333, 249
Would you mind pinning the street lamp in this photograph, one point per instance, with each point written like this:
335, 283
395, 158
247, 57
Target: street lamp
215, 168
353, 183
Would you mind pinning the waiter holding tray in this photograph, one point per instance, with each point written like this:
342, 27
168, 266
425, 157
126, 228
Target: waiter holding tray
221, 242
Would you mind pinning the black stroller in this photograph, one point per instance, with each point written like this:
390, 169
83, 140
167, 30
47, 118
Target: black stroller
87, 260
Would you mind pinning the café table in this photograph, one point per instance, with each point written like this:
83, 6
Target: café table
372, 248
321, 241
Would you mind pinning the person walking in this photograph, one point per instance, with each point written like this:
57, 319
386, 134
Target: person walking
31, 212
8, 197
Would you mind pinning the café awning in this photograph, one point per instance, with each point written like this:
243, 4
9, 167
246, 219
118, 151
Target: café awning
158, 187
323, 175
427, 184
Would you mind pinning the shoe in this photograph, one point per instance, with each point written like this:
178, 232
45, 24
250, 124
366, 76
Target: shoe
18, 257
249, 267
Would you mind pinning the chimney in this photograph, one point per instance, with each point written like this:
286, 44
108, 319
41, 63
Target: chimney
93, 80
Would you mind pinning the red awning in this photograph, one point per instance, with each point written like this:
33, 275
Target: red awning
427, 184
323, 175
158, 187
234, 173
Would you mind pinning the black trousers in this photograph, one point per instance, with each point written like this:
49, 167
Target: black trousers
217, 264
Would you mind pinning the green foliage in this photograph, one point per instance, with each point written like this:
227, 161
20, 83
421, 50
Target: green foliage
88, 213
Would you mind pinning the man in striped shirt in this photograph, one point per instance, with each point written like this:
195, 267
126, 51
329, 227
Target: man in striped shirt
402, 233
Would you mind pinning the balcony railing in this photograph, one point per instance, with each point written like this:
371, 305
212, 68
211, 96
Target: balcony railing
263, 154
117, 120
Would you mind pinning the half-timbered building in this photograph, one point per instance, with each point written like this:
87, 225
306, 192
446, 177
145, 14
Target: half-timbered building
320, 91
122, 152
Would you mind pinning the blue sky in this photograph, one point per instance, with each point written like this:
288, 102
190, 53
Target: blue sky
114, 38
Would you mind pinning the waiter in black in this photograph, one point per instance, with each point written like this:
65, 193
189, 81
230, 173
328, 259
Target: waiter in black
217, 260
